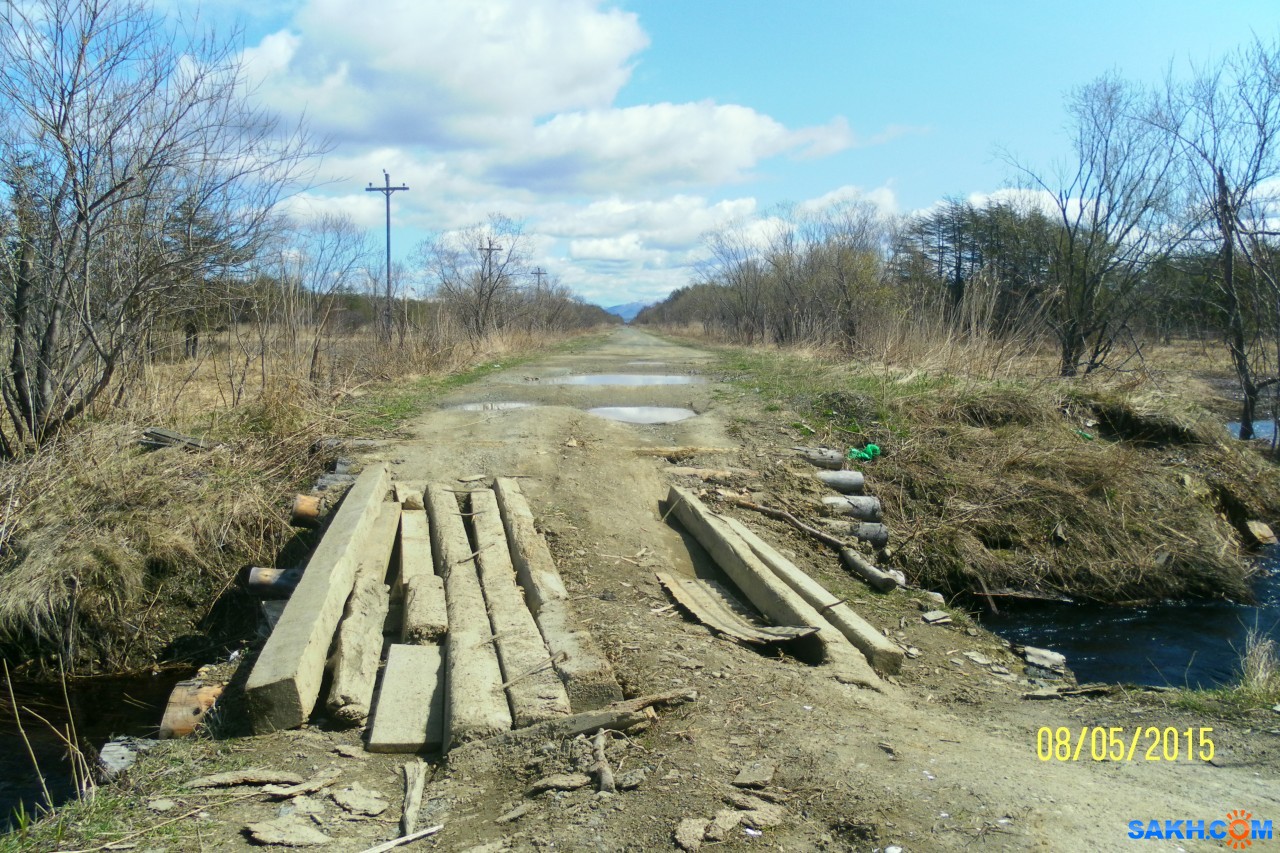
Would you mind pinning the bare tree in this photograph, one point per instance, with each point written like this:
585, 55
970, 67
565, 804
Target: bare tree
136, 168
1115, 206
1226, 123
474, 271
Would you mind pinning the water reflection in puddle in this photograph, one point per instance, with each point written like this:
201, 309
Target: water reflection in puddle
489, 407
643, 414
1261, 429
625, 379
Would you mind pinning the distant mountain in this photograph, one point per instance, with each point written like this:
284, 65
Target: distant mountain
629, 311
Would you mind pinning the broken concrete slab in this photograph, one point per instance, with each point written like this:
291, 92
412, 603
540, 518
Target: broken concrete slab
757, 774
425, 618
587, 674
408, 715
534, 690
288, 831
475, 702
358, 645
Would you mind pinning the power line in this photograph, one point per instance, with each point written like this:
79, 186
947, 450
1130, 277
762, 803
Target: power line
387, 191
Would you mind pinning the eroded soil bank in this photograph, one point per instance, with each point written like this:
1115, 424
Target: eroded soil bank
943, 757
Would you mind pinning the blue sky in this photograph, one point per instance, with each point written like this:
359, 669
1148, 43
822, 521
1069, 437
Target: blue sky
620, 132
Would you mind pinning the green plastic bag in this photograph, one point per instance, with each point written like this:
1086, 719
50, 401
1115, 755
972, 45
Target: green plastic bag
866, 454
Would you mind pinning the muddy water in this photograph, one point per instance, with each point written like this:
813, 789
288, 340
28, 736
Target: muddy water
101, 708
1183, 644
643, 414
638, 379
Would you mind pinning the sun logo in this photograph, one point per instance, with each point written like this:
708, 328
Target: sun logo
1239, 832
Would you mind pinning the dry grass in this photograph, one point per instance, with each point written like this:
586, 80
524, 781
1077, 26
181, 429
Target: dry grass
115, 558
1109, 488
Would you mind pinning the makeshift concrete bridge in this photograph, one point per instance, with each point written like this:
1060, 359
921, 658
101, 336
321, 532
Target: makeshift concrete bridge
487, 641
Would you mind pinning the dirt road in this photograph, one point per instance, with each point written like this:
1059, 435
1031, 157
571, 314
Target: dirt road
945, 758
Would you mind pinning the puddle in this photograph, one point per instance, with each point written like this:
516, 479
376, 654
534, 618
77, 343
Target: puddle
643, 414
625, 379
489, 407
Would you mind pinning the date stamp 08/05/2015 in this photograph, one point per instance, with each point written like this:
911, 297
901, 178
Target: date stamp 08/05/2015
1120, 743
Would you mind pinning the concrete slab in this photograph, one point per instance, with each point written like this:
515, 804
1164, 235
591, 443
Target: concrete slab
425, 618
475, 702
587, 674
285, 682
534, 691
408, 713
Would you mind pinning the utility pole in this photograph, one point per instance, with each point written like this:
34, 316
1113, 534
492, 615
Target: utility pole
387, 190
538, 273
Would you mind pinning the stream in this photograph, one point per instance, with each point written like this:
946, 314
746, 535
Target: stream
102, 707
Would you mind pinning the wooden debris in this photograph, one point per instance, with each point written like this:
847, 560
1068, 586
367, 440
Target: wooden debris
157, 437
675, 454
619, 717
404, 839
712, 475
877, 579
415, 777
1260, 533
604, 773
766, 590
306, 511
267, 582
251, 776
714, 606
689, 833
822, 457
559, 782
861, 507
188, 704
321, 780
359, 800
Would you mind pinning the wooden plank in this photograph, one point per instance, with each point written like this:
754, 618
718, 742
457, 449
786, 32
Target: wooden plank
408, 714
285, 682
586, 672
358, 645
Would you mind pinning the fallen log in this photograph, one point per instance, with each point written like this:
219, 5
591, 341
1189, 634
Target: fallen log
873, 533
618, 717
876, 579
188, 704
266, 582
306, 511
157, 437
822, 457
